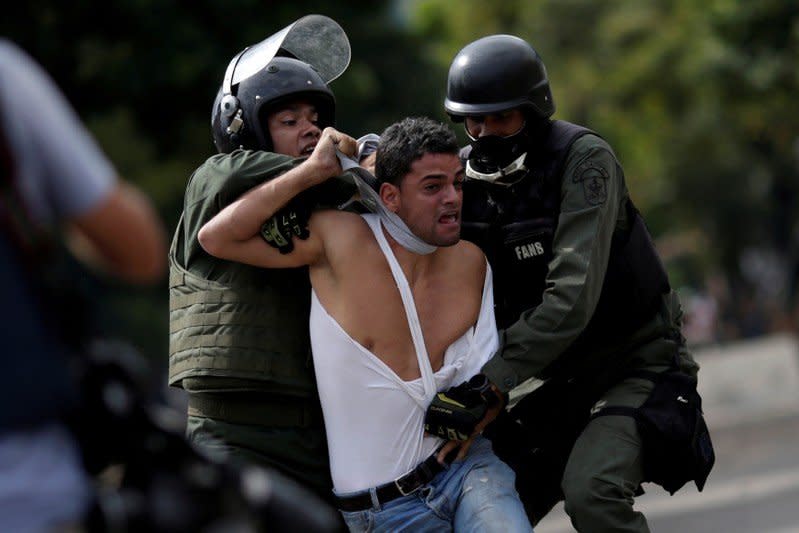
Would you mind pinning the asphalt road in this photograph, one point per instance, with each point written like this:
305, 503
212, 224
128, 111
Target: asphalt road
754, 487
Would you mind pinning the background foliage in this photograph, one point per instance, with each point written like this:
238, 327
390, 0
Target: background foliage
696, 97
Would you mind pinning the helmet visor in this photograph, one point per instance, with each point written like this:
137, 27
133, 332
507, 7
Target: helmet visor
314, 39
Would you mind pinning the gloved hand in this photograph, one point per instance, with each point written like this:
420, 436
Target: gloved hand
454, 413
289, 222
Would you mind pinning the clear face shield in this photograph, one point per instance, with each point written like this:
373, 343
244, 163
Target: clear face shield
314, 39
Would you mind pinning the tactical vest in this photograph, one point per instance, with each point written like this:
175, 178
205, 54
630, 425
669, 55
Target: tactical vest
515, 226
254, 328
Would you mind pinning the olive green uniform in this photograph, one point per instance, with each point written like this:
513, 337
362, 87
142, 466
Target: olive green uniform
239, 340
604, 468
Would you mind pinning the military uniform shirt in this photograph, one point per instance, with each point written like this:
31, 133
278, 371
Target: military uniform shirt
593, 193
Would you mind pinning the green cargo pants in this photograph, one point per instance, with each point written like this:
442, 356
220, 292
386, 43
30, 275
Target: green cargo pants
299, 453
604, 469
283, 434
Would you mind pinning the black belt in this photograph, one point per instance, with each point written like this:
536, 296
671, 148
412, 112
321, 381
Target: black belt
402, 486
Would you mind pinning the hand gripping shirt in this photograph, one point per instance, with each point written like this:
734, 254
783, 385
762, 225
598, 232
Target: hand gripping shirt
374, 419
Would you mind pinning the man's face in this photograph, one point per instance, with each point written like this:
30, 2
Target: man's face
430, 198
294, 128
501, 124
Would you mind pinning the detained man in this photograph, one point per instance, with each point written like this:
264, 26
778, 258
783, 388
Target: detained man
400, 309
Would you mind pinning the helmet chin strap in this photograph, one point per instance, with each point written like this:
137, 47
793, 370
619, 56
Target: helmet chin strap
507, 176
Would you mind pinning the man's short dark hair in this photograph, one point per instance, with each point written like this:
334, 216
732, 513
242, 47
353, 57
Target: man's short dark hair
405, 141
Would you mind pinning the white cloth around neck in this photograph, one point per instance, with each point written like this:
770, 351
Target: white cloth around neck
395, 226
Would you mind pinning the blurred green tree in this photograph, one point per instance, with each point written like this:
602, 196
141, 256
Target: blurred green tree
693, 94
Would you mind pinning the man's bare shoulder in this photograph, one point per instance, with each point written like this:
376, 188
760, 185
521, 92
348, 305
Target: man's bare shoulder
339, 226
334, 218
469, 259
470, 253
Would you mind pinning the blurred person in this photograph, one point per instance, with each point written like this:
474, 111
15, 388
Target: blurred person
400, 310
701, 318
54, 180
582, 299
239, 341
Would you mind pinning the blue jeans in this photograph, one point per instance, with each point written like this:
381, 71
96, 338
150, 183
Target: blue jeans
475, 494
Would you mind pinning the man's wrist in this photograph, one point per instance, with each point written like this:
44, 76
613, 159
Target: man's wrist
502, 397
490, 393
319, 169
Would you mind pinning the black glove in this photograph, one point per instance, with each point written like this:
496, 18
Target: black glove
454, 413
289, 222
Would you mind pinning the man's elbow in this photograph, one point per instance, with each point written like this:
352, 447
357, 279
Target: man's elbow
122, 236
148, 269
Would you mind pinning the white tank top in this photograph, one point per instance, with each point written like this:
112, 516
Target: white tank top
374, 419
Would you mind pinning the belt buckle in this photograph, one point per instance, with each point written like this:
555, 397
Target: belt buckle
412, 477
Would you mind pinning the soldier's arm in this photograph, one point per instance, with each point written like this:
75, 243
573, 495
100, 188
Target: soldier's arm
592, 194
234, 233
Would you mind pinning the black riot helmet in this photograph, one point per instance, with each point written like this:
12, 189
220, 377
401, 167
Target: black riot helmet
497, 73
298, 61
238, 118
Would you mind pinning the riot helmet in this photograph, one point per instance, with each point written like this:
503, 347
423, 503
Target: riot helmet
491, 75
496, 73
299, 61
238, 118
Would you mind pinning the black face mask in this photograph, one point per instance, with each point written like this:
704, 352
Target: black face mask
499, 159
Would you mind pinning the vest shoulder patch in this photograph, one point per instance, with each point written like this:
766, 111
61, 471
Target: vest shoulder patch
594, 178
